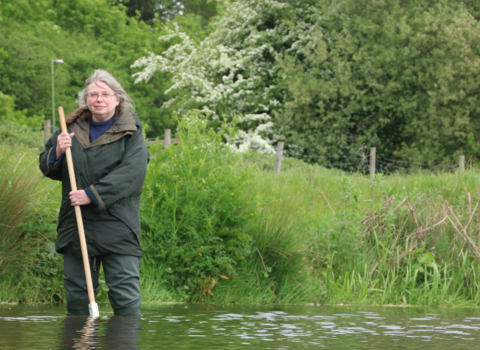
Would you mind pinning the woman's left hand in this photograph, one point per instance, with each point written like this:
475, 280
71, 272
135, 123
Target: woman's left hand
79, 198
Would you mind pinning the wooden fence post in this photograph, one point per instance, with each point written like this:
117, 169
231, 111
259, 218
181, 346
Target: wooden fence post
278, 164
461, 163
47, 127
168, 138
373, 160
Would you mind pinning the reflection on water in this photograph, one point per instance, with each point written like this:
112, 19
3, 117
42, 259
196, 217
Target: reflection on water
199, 327
81, 332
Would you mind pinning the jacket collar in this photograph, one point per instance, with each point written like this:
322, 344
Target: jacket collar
124, 124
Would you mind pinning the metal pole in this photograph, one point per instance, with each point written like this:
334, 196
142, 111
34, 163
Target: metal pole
53, 99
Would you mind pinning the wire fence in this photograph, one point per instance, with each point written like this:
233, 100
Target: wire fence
368, 163
371, 163
38, 136
22, 136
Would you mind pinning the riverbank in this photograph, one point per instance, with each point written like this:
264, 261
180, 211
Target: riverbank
309, 235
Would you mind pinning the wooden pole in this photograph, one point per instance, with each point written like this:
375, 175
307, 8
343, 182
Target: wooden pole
47, 126
278, 164
168, 138
461, 163
373, 161
93, 307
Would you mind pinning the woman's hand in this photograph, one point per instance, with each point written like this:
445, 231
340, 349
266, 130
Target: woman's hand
79, 198
64, 141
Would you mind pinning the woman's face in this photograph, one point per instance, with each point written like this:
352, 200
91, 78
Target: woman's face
101, 101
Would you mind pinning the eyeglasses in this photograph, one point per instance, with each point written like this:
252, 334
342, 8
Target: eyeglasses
95, 95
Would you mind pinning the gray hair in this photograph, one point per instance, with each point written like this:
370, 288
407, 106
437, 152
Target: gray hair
105, 77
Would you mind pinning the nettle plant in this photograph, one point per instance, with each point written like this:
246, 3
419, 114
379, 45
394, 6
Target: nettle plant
195, 211
232, 71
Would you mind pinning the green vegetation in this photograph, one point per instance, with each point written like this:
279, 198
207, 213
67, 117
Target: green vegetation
331, 78
29, 267
195, 214
336, 77
219, 227
87, 35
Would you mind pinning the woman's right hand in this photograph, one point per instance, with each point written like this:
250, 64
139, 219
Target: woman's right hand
64, 141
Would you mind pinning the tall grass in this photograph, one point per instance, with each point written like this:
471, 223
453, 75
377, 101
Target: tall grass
27, 252
16, 186
218, 228
409, 239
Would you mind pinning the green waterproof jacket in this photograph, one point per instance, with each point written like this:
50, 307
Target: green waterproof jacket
113, 169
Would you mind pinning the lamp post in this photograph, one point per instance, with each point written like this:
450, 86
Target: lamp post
53, 92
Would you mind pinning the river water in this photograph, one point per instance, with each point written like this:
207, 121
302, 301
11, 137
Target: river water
241, 327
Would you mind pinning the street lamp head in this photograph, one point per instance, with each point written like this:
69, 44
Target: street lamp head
58, 61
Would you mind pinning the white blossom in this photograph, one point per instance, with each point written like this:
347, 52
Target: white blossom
230, 71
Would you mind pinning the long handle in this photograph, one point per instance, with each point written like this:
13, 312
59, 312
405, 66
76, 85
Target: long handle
93, 307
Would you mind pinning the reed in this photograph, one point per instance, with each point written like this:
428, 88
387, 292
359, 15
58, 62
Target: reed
401, 239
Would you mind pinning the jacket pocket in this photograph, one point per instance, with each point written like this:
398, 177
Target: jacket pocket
128, 212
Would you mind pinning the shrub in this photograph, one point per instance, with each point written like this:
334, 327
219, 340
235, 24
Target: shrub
195, 213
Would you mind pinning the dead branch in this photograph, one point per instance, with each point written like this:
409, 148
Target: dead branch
463, 231
413, 215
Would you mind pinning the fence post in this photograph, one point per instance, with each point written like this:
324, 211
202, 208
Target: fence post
461, 163
278, 164
47, 127
373, 160
168, 138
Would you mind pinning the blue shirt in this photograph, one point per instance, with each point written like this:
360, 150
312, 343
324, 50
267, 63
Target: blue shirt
97, 129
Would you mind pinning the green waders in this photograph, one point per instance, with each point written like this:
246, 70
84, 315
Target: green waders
122, 275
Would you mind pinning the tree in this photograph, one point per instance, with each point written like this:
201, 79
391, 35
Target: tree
87, 35
334, 78
403, 78
162, 11
232, 71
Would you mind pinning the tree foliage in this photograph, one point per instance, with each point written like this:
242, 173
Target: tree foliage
335, 78
232, 71
86, 34
161, 11
403, 78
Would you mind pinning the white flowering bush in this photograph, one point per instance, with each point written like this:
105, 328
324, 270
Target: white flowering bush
232, 71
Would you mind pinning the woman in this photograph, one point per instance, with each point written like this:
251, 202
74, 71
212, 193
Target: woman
110, 159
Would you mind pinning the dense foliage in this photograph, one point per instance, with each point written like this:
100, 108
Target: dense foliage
332, 78
195, 214
87, 35
336, 77
401, 77
154, 11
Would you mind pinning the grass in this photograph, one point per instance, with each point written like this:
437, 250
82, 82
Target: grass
28, 265
400, 239
318, 236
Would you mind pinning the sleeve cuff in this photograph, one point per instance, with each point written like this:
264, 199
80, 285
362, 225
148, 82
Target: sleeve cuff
91, 195
51, 159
